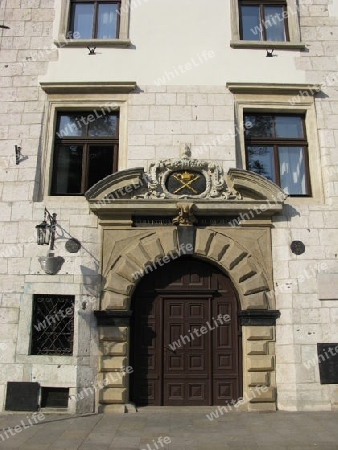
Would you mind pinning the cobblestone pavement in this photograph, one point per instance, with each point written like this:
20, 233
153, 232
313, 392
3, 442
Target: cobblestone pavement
186, 428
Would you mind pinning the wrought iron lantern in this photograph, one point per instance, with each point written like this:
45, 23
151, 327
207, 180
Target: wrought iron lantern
46, 230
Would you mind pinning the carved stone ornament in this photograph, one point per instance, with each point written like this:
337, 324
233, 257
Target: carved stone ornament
185, 215
187, 177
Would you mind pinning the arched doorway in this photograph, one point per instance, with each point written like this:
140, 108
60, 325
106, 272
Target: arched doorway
186, 339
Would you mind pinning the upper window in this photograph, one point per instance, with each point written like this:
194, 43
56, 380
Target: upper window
85, 150
95, 19
254, 23
276, 148
263, 20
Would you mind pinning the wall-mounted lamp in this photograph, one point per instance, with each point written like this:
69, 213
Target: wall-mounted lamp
269, 53
91, 51
46, 231
17, 154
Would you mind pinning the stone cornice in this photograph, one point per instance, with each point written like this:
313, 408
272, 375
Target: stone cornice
118, 318
272, 88
113, 211
96, 87
259, 317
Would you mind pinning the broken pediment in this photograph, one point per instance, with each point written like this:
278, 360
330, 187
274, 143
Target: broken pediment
184, 179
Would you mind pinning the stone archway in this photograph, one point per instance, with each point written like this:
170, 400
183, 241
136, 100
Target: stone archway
241, 249
247, 273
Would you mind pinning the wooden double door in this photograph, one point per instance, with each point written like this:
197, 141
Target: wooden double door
185, 337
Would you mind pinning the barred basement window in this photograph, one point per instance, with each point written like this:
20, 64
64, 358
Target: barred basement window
52, 324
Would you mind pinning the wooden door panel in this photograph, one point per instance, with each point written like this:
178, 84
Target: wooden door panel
190, 362
224, 391
172, 364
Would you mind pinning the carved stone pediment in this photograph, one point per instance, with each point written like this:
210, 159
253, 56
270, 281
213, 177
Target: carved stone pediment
186, 178
170, 182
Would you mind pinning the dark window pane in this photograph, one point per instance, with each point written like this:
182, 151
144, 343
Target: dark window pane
258, 126
251, 28
292, 170
71, 125
260, 161
274, 23
100, 162
52, 325
107, 21
67, 169
289, 126
83, 19
103, 126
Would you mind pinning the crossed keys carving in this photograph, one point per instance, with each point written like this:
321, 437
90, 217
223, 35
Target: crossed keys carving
186, 179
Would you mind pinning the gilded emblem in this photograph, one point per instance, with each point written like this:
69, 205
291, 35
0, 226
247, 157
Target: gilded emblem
186, 183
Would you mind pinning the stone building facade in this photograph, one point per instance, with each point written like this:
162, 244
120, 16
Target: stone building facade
183, 85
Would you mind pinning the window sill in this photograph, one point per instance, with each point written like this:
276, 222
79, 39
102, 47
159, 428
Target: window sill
63, 42
268, 45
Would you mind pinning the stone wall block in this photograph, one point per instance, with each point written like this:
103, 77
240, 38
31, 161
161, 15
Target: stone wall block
126, 268
244, 270
113, 379
118, 284
109, 364
258, 333
138, 255
233, 256
218, 247
259, 407
112, 300
112, 409
116, 334
114, 348
203, 241
168, 239
261, 363
254, 301
257, 348
113, 395
268, 396
152, 246
254, 284
259, 378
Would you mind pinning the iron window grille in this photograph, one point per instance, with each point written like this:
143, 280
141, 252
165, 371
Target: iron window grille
95, 19
276, 148
85, 150
52, 325
262, 20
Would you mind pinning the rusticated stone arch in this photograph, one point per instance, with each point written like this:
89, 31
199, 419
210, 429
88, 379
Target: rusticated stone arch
142, 252
248, 273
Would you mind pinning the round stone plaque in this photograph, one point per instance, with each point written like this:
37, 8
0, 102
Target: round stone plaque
73, 245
